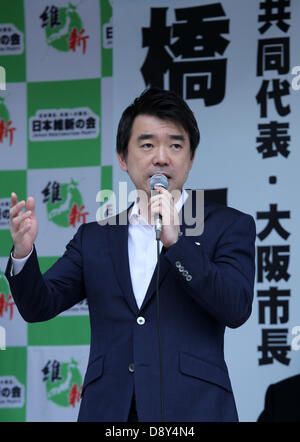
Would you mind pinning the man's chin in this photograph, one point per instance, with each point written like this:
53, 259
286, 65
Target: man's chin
143, 192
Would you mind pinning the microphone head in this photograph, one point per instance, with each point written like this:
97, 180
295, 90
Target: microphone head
159, 180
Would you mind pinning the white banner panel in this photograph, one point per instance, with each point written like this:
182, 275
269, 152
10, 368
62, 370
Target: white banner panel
55, 377
69, 47
65, 199
13, 147
232, 62
10, 318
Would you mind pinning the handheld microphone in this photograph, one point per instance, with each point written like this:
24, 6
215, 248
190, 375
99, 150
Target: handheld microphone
158, 180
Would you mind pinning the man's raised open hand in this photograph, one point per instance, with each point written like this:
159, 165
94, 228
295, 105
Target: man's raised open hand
23, 225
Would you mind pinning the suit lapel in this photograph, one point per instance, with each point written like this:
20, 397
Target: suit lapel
163, 270
118, 246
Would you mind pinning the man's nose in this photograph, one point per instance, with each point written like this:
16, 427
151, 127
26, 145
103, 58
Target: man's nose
161, 156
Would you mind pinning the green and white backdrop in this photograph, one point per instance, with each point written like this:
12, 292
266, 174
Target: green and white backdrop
71, 68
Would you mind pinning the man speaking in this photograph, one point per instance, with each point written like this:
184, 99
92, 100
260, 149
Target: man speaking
151, 359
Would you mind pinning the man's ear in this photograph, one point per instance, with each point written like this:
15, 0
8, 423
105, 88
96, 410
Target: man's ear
122, 162
192, 159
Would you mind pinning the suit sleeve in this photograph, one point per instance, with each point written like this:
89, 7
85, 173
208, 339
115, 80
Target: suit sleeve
223, 284
41, 297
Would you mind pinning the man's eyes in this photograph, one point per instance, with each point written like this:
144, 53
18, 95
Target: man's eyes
148, 146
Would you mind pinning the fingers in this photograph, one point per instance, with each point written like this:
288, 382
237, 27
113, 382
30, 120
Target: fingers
162, 208
16, 209
163, 197
14, 199
18, 220
25, 227
163, 204
30, 204
17, 216
162, 194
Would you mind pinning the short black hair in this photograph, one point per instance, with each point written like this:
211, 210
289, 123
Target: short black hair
166, 105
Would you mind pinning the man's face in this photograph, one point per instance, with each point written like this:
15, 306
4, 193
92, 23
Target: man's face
157, 146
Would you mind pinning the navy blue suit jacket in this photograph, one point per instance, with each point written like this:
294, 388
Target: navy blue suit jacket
205, 284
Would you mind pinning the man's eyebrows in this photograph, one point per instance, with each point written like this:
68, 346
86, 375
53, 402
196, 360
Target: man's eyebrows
142, 137
145, 137
177, 137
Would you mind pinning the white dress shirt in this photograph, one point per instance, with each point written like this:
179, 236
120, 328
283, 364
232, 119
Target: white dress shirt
142, 251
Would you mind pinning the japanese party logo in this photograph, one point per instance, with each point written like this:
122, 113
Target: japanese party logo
12, 392
64, 203
11, 40
7, 128
64, 30
6, 301
63, 382
4, 213
64, 124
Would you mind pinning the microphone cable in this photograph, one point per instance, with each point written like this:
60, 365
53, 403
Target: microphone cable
159, 337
